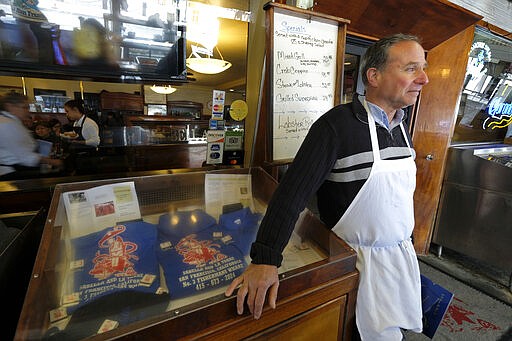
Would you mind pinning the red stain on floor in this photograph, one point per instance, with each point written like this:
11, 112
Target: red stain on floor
459, 318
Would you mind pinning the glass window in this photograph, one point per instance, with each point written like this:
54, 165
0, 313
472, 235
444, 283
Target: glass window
352, 82
350, 77
485, 108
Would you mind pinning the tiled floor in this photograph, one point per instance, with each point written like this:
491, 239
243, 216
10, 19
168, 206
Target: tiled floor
481, 276
486, 279
472, 315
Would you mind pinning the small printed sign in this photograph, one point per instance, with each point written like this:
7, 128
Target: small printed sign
215, 146
238, 110
71, 299
147, 280
58, 314
108, 325
76, 264
218, 104
234, 140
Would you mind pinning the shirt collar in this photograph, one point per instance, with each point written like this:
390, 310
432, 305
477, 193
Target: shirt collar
381, 117
80, 121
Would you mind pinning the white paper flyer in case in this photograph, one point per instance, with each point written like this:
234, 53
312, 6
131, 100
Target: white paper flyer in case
100, 207
226, 189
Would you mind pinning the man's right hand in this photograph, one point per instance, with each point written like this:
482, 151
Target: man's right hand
254, 283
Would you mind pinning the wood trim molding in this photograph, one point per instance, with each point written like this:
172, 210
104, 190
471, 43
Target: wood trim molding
433, 128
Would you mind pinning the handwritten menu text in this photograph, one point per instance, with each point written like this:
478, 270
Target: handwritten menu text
304, 76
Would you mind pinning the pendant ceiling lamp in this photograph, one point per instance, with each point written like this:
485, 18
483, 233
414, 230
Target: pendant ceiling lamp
207, 65
163, 89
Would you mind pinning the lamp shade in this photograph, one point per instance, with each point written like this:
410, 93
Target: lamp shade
163, 89
209, 66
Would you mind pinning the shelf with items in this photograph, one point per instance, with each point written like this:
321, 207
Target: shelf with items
164, 129
49, 103
185, 110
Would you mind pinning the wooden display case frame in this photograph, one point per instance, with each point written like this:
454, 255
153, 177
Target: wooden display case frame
315, 300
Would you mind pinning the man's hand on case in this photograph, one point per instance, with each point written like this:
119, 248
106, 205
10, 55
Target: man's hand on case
254, 283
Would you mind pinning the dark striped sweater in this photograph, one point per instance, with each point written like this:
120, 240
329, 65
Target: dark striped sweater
334, 161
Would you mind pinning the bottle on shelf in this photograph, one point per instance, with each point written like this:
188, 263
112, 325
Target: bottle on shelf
54, 106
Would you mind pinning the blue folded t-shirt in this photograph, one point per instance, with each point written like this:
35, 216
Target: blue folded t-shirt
203, 257
181, 223
118, 258
243, 226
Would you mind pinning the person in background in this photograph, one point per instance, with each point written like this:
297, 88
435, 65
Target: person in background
55, 126
18, 156
43, 131
358, 159
57, 130
86, 130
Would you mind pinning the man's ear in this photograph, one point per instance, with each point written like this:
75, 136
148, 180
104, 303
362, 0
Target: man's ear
373, 75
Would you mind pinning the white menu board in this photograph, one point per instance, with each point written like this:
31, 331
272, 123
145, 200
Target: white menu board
304, 78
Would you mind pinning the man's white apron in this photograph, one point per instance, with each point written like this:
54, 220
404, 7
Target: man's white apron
378, 224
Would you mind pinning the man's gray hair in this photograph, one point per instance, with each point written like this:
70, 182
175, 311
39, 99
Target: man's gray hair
376, 55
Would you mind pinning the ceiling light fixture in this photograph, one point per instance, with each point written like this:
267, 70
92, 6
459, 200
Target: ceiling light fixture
206, 65
163, 89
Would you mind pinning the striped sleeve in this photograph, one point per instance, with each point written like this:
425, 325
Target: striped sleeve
312, 164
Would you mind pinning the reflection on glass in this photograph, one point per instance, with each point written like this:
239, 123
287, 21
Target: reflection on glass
485, 110
97, 37
351, 68
137, 27
157, 109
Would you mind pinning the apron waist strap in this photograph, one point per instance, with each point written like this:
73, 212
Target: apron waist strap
402, 243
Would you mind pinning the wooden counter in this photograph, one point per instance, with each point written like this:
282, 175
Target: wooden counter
109, 159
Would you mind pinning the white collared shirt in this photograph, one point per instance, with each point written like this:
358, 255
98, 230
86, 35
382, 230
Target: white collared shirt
90, 130
381, 117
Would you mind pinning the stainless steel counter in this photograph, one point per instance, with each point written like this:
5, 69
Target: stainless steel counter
475, 210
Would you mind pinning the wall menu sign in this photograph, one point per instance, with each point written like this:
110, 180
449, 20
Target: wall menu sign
304, 74
304, 57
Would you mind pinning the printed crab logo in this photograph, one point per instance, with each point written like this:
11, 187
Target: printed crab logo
116, 261
198, 252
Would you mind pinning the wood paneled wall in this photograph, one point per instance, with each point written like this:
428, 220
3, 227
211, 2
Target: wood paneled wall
433, 128
434, 21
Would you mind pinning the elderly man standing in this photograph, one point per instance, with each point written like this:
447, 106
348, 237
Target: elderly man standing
359, 160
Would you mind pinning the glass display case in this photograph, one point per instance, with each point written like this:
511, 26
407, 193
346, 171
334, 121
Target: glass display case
150, 257
20, 234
